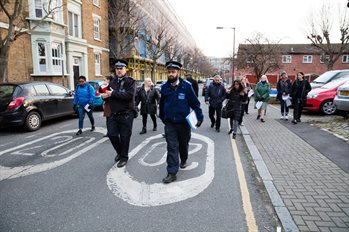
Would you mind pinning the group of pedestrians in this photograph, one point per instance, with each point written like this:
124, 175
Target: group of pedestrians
176, 99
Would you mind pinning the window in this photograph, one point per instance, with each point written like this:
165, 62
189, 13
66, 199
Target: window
96, 2
97, 63
73, 24
307, 59
249, 59
345, 59
41, 89
57, 57
96, 28
324, 58
42, 56
286, 59
57, 90
38, 8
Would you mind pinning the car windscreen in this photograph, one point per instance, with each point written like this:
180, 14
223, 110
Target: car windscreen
335, 83
324, 78
7, 90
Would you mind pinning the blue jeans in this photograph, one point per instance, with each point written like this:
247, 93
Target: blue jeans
82, 112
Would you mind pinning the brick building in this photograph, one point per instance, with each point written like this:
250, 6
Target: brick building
294, 58
71, 41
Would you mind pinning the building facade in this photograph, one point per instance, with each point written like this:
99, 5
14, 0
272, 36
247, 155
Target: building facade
71, 41
295, 58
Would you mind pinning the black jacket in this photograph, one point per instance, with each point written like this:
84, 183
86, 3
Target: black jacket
300, 90
195, 85
283, 87
123, 96
215, 95
148, 100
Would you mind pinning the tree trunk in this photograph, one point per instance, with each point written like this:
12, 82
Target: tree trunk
4, 53
153, 72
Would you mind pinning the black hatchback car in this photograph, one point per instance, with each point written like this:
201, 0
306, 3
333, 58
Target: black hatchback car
28, 104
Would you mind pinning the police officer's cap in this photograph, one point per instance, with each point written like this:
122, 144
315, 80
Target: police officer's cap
173, 65
120, 63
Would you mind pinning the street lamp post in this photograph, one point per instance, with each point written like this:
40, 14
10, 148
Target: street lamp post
233, 61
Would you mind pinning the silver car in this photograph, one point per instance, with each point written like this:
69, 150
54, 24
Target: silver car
342, 98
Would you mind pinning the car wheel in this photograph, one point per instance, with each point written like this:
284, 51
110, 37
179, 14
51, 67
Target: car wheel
33, 121
328, 107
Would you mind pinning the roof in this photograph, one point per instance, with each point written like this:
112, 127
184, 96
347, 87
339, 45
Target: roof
295, 48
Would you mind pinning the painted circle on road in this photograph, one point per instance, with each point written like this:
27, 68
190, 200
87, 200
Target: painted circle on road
124, 186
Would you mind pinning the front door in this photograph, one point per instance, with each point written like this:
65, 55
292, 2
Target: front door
76, 75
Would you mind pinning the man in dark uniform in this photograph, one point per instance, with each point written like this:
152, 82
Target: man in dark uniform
194, 83
121, 99
177, 97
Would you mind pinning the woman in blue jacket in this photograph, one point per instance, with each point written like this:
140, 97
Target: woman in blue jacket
83, 103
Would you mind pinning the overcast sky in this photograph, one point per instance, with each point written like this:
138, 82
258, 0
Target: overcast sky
284, 20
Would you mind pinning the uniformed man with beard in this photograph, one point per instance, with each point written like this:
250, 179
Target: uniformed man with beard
177, 98
121, 99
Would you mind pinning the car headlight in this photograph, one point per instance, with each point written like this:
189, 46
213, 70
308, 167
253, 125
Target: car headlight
313, 95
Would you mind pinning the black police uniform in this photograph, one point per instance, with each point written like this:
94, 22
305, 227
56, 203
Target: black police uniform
175, 104
122, 114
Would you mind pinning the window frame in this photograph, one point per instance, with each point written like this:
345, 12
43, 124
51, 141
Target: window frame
74, 24
307, 59
286, 59
40, 57
346, 56
96, 3
98, 63
36, 4
96, 34
56, 57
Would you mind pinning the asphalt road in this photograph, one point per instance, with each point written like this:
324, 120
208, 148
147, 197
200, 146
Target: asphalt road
52, 180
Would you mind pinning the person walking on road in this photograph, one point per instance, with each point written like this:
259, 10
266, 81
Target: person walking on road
300, 90
235, 96
214, 97
245, 99
83, 103
177, 98
106, 107
261, 94
149, 97
194, 83
121, 99
284, 88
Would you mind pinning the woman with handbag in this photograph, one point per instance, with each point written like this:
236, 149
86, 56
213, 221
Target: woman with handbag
234, 95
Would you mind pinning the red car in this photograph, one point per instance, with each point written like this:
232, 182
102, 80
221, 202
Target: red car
321, 99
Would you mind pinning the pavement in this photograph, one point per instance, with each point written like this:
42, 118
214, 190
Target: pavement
305, 171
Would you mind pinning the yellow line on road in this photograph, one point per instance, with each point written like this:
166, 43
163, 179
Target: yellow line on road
246, 202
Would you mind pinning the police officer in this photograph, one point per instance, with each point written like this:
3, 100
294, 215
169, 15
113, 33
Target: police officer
121, 99
177, 97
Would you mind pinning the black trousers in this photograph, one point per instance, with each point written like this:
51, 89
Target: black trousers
177, 137
145, 117
211, 114
119, 133
298, 108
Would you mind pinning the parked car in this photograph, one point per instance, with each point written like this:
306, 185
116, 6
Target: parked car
321, 99
328, 77
28, 104
341, 100
98, 100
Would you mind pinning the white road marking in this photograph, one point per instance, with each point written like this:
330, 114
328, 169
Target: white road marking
20, 152
8, 173
124, 186
5, 144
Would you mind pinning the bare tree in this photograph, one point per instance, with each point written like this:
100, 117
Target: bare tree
125, 21
259, 54
158, 40
15, 14
174, 51
320, 31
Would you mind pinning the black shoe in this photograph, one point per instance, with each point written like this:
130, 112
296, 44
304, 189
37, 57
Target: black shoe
169, 178
262, 120
121, 163
258, 117
106, 135
143, 131
164, 135
155, 129
234, 136
246, 112
230, 131
298, 120
92, 128
183, 165
79, 132
117, 158
212, 125
294, 121
218, 130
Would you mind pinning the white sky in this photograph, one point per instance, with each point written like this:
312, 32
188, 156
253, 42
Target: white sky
284, 20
